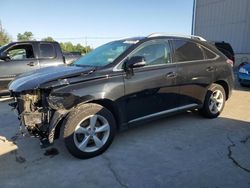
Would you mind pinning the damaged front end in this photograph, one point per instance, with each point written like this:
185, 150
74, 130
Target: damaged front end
39, 100
37, 115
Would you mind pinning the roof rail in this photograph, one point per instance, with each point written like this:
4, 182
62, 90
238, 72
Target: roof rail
175, 35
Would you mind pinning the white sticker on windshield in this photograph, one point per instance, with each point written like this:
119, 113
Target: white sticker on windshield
130, 41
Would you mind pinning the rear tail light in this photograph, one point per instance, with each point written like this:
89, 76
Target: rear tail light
233, 59
230, 62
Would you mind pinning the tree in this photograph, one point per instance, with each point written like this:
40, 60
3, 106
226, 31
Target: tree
88, 49
79, 48
27, 35
4, 38
48, 39
69, 47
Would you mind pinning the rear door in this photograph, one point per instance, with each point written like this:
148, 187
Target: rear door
21, 59
152, 89
49, 55
195, 70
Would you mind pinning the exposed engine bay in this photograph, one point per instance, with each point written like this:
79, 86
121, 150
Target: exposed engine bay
34, 112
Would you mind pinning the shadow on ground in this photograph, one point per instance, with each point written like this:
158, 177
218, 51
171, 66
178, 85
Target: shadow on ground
183, 150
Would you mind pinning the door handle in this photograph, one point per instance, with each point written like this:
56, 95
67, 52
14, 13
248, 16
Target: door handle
210, 69
171, 75
31, 64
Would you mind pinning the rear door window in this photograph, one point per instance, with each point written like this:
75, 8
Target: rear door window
47, 50
186, 51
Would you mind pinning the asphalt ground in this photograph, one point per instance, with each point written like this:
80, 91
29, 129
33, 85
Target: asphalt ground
185, 150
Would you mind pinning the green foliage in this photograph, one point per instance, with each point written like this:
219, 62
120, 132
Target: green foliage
69, 47
27, 35
4, 37
48, 39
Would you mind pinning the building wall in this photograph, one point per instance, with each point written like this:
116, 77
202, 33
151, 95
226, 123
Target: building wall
224, 20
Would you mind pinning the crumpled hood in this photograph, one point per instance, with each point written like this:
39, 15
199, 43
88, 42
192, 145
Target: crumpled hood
34, 79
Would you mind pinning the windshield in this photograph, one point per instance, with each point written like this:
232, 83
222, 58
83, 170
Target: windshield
104, 54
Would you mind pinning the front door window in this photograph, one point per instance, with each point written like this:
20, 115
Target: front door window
21, 52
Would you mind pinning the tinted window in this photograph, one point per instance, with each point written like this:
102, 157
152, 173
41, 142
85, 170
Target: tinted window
225, 46
186, 51
226, 53
208, 54
154, 53
47, 51
21, 52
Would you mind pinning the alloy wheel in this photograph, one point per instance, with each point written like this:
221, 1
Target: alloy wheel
91, 133
216, 101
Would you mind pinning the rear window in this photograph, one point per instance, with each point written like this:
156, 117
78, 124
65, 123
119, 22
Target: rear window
47, 50
225, 46
186, 51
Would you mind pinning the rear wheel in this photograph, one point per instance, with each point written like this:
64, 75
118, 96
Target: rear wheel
89, 130
214, 101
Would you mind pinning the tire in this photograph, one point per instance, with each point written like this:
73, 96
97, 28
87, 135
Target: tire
214, 101
89, 130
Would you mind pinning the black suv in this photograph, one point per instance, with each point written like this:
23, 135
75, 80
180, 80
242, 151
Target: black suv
119, 84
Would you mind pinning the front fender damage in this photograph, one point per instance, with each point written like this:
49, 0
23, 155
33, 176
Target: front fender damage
41, 111
57, 117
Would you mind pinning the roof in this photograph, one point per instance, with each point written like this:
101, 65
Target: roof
176, 35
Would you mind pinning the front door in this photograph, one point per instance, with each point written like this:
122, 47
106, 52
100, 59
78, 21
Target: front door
21, 58
152, 89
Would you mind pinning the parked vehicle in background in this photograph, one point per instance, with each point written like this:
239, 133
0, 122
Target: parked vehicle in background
119, 84
244, 74
226, 49
20, 57
70, 57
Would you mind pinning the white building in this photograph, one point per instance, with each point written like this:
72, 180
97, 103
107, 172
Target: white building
224, 20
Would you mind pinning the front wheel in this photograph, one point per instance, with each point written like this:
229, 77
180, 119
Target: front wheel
214, 101
89, 130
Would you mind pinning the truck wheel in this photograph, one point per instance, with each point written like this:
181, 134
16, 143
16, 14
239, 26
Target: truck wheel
214, 101
89, 130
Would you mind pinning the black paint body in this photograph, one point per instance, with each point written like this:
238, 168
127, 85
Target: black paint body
132, 96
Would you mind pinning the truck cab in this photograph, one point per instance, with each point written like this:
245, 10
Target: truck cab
20, 57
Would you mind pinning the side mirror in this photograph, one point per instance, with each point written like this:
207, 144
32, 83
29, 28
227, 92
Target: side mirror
4, 56
135, 61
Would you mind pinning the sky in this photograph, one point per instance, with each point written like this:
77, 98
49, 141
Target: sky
97, 21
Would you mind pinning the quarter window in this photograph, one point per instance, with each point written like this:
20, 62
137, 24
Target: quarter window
208, 53
186, 51
47, 50
155, 53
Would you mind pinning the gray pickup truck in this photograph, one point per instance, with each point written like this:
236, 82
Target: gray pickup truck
20, 57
